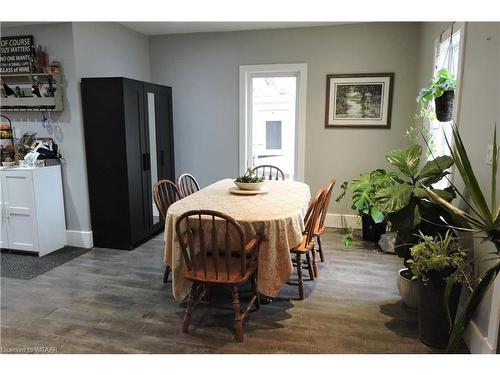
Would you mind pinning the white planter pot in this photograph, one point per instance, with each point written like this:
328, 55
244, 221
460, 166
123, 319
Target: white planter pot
408, 290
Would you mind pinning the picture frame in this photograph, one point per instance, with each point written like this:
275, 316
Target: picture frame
360, 100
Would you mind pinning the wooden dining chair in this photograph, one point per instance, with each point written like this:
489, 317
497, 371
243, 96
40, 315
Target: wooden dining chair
269, 172
213, 264
165, 193
320, 228
306, 247
187, 184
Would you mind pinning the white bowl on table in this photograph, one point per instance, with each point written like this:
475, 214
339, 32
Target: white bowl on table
250, 185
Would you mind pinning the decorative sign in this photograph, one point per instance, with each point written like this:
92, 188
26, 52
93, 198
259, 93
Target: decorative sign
16, 54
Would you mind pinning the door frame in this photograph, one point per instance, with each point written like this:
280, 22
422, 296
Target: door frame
246, 71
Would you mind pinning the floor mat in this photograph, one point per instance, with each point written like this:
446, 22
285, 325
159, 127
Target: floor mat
25, 266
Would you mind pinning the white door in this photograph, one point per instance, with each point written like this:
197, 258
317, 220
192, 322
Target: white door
19, 206
272, 117
4, 241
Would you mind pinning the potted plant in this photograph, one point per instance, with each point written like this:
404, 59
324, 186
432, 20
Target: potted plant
481, 220
24, 145
434, 261
249, 181
441, 89
363, 189
410, 210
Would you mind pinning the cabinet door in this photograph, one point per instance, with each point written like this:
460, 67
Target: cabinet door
138, 161
19, 207
158, 103
4, 240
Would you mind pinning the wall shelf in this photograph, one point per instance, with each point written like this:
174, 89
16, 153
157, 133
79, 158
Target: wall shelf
32, 103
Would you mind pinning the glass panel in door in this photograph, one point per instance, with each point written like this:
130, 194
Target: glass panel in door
273, 122
153, 151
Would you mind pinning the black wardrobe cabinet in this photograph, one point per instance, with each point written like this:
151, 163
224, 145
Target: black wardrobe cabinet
129, 146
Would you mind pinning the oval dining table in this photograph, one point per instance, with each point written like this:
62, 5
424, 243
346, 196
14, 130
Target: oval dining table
277, 215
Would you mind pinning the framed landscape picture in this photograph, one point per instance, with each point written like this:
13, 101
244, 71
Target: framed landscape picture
359, 100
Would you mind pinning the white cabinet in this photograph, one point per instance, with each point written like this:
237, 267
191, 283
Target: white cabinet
32, 209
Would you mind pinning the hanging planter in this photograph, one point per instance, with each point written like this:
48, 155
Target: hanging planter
441, 90
444, 106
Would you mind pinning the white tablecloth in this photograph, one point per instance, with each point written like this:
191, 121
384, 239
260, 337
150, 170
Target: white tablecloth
277, 216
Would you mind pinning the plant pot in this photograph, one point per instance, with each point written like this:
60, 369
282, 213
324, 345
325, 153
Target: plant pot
250, 185
444, 106
371, 230
433, 326
408, 289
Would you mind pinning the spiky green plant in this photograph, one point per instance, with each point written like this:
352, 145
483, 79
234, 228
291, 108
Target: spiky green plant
482, 220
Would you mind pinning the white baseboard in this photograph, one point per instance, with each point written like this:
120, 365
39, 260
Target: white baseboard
343, 221
476, 341
79, 239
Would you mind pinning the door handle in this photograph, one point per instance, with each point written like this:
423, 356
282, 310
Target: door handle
145, 162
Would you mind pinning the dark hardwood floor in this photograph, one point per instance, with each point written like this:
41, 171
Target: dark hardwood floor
113, 301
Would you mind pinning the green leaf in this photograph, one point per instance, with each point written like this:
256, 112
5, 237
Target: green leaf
494, 167
406, 219
446, 195
377, 215
436, 167
420, 193
471, 306
464, 166
447, 292
406, 160
393, 198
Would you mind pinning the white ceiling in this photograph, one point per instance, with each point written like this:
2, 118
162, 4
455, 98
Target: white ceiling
160, 28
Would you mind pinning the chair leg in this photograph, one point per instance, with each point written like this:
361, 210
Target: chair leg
320, 249
310, 266
315, 262
238, 319
165, 274
255, 292
189, 309
299, 273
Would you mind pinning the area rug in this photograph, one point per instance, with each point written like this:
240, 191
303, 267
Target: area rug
25, 266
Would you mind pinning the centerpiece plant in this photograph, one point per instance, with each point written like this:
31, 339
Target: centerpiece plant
441, 90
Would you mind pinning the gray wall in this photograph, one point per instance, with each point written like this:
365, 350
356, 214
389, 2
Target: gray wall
84, 50
203, 71
480, 108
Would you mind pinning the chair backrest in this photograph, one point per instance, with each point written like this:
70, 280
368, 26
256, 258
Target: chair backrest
269, 172
326, 203
164, 194
214, 233
187, 184
312, 216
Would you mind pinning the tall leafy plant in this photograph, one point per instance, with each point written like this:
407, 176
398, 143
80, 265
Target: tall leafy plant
407, 203
363, 189
481, 220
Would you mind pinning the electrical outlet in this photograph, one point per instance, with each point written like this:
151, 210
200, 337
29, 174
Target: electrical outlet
489, 154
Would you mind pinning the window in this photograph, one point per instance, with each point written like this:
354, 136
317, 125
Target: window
447, 54
273, 135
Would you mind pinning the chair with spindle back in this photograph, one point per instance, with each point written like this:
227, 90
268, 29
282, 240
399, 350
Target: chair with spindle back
269, 172
187, 184
216, 261
306, 247
165, 193
320, 228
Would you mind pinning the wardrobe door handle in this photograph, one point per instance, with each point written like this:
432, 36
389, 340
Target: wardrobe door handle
145, 162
